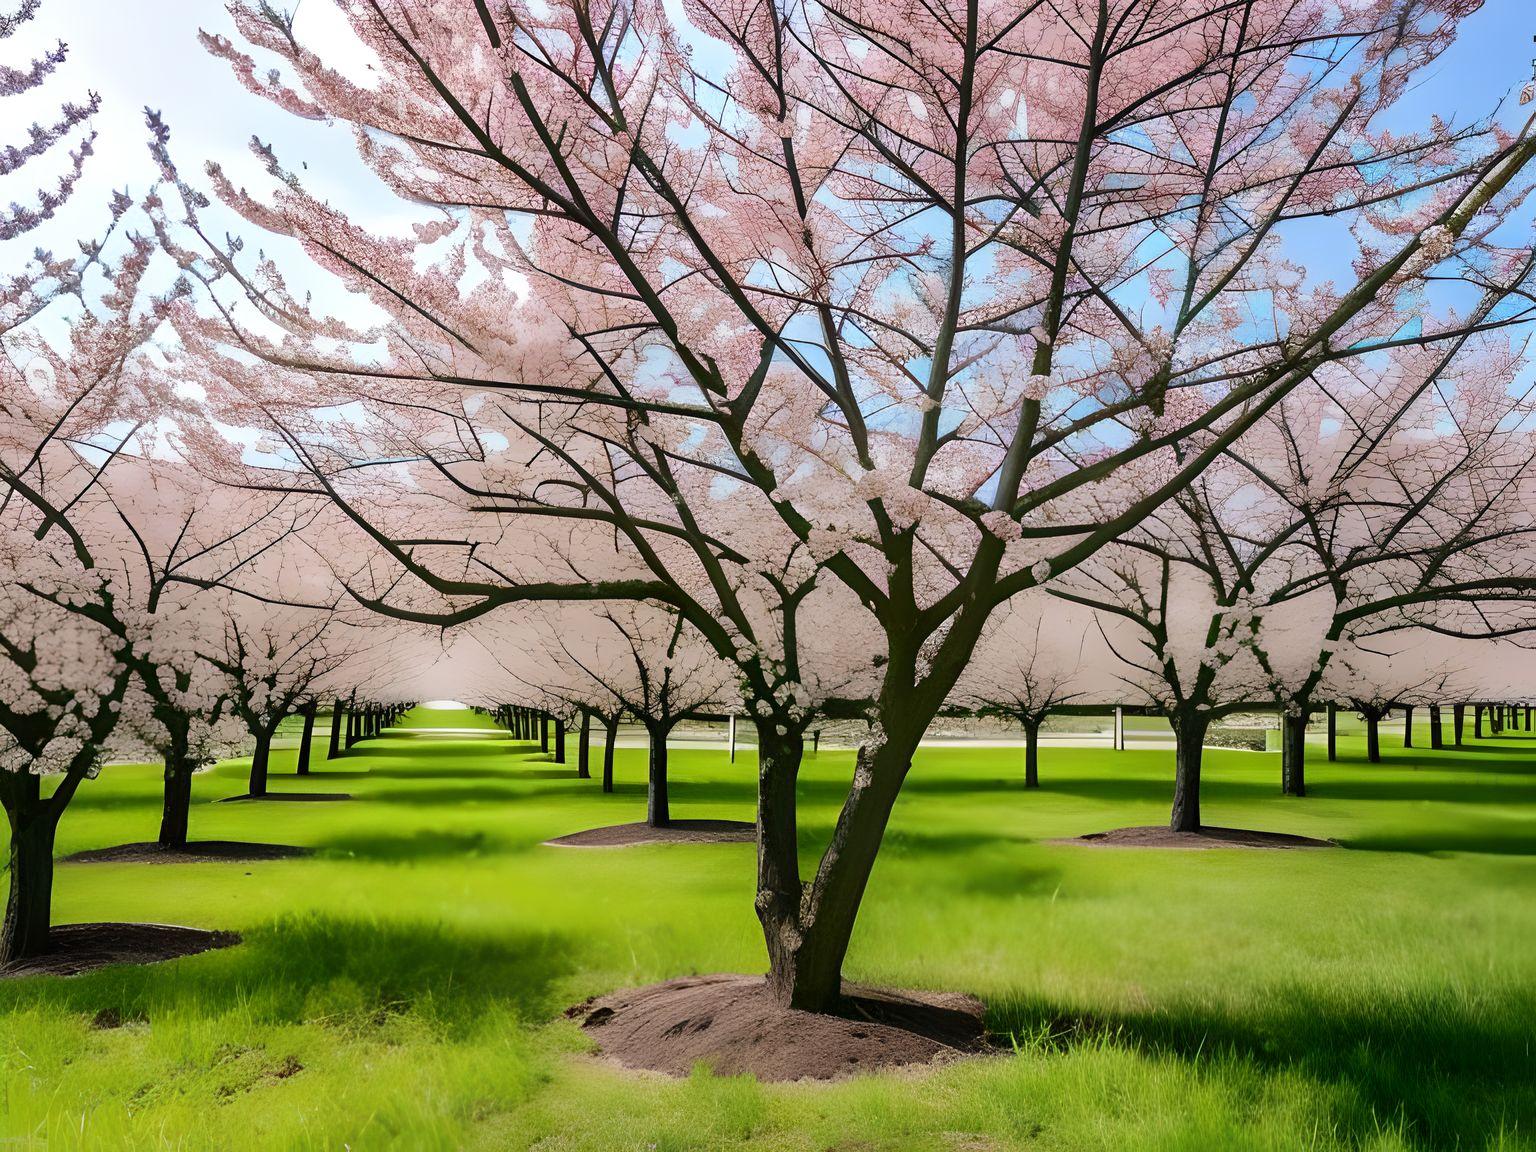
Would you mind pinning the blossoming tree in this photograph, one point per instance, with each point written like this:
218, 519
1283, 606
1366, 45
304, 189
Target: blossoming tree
729, 306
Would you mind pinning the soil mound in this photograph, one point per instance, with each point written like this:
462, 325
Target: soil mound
194, 852
76, 948
677, 832
1157, 836
732, 1024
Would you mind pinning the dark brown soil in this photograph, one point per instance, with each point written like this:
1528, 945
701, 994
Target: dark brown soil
76, 948
733, 1025
290, 796
1158, 836
677, 832
195, 852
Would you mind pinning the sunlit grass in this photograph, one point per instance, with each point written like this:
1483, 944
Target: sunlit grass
403, 988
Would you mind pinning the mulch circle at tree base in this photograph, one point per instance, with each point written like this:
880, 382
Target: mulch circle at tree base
733, 1024
194, 852
77, 948
1160, 836
677, 832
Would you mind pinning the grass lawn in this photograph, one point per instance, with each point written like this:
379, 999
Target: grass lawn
403, 988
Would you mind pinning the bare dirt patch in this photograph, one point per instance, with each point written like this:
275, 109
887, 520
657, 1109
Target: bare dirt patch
76, 948
194, 852
732, 1024
677, 832
1157, 836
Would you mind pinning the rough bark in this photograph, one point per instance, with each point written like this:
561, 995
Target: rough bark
658, 808
1293, 755
1189, 730
302, 769
29, 905
333, 750
259, 761
176, 808
610, 734
584, 748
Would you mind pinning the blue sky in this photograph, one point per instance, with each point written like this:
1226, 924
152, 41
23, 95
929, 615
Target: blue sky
145, 52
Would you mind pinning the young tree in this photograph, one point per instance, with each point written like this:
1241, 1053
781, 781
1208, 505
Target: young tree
1030, 660
856, 296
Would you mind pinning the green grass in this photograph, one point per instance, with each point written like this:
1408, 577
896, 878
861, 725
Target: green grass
403, 989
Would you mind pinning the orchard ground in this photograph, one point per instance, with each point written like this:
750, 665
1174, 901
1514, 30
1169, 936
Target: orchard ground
403, 988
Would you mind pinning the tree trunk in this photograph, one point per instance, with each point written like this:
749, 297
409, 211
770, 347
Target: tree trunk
1333, 731
543, 731
1408, 726
658, 809
807, 929
1373, 737
176, 809
584, 748
309, 734
1477, 721
559, 740
29, 906
1458, 722
1293, 754
1189, 739
1436, 732
334, 749
351, 728
1031, 754
259, 759
610, 734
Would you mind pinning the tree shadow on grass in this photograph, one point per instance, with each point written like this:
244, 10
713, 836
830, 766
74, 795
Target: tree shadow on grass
411, 848
1453, 1072
1424, 788
1490, 838
314, 966
449, 772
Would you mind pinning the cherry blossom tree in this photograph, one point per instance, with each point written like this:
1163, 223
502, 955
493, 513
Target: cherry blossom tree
1030, 660
728, 307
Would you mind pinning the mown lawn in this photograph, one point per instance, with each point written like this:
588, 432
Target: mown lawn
403, 989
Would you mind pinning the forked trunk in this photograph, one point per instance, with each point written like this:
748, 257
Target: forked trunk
1293, 755
259, 760
584, 748
1189, 730
29, 904
807, 929
1031, 753
177, 807
658, 810
610, 735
